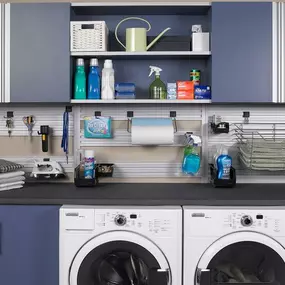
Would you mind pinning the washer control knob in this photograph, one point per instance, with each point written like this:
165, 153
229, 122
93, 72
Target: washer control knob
246, 221
120, 220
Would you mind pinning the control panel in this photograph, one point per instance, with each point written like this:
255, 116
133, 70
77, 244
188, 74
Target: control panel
161, 224
222, 221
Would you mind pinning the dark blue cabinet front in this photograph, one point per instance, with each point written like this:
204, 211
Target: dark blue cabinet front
241, 52
29, 242
40, 52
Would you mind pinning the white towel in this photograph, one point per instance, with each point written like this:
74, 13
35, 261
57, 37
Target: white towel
11, 174
11, 187
4, 185
12, 179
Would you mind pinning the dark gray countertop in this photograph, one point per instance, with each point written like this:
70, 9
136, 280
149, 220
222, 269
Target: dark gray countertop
147, 194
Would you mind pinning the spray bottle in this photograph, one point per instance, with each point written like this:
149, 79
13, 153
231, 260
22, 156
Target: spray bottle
191, 160
157, 89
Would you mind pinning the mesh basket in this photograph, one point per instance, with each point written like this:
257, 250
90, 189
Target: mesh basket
89, 36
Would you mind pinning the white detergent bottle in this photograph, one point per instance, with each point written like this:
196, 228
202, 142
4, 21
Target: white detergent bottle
108, 81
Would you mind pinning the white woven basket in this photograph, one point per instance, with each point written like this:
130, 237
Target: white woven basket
89, 36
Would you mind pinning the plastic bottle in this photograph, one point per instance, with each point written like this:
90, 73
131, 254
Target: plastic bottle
89, 164
108, 81
223, 163
80, 80
157, 89
94, 91
191, 160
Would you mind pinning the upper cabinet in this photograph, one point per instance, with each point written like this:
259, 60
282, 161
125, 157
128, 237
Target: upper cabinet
242, 52
37, 48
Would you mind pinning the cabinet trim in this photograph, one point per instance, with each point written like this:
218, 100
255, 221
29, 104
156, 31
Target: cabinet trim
141, 4
7, 53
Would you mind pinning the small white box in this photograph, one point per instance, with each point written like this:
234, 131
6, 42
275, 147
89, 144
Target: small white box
201, 42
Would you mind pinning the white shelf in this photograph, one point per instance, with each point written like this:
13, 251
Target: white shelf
146, 53
140, 101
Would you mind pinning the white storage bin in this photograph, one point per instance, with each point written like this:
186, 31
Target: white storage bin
89, 36
201, 42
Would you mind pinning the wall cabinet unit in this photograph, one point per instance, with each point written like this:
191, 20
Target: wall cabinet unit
242, 52
37, 52
29, 245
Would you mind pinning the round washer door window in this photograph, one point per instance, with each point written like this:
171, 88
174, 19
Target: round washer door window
119, 258
243, 257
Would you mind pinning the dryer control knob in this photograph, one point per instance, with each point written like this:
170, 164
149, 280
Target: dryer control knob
246, 221
120, 220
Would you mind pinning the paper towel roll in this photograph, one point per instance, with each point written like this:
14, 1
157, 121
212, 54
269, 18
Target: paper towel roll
152, 131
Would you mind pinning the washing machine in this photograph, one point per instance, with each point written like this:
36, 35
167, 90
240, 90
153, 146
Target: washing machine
120, 245
234, 245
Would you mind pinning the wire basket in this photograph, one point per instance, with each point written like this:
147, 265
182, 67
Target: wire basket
89, 36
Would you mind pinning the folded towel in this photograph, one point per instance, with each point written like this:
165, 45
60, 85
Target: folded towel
11, 174
13, 179
3, 185
7, 166
11, 187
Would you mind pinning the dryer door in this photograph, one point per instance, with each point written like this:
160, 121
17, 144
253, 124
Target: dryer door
120, 258
243, 257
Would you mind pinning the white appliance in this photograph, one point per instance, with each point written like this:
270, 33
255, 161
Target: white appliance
251, 240
113, 245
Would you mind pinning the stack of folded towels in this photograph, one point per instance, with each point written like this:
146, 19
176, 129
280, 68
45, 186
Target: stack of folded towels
10, 175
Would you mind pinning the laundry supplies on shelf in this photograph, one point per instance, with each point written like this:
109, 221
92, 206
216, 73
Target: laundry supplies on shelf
223, 162
108, 81
80, 80
94, 85
125, 91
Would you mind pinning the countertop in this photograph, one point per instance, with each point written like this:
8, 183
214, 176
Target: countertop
147, 194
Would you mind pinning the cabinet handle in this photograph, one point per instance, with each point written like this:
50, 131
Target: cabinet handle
1, 239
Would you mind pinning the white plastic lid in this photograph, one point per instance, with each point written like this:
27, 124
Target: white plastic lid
224, 151
89, 153
94, 62
108, 63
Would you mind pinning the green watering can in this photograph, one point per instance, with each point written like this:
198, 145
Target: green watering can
136, 39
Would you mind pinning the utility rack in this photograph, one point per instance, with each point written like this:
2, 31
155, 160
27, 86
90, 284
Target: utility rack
261, 145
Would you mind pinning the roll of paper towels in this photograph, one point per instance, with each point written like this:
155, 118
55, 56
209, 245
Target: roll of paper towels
152, 131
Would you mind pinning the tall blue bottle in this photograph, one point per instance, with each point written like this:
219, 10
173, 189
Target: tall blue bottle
94, 88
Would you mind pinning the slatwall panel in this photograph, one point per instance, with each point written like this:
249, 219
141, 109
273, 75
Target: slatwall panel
259, 115
190, 115
46, 115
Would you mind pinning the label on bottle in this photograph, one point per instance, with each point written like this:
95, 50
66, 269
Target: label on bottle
89, 166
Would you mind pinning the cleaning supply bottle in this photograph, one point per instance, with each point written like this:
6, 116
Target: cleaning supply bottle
94, 91
191, 160
157, 89
89, 164
223, 163
80, 80
108, 81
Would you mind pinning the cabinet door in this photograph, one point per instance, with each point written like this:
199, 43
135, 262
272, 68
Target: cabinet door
241, 52
39, 52
29, 241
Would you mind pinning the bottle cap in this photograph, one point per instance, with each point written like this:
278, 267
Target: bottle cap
89, 153
108, 63
94, 62
80, 62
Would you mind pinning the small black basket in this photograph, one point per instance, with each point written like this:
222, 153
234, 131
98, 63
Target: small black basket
226, 183
81, 181
105, 169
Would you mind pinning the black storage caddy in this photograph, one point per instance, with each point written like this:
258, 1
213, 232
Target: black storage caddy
226, 183
81, 181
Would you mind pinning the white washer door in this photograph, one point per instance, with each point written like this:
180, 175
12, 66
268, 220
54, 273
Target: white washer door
113, 237
233, 238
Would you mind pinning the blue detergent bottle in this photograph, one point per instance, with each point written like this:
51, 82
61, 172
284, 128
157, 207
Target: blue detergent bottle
223, 164
94, 88
191, 160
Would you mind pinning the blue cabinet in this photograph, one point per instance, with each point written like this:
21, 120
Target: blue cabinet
241, 52
29, 245
39, 52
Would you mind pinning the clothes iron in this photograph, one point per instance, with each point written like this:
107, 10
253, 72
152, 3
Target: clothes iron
47, 169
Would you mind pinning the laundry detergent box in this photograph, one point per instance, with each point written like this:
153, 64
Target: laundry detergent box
98, 127
202, 92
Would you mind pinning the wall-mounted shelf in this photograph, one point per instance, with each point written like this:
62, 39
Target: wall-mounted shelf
143, 54
139, 101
